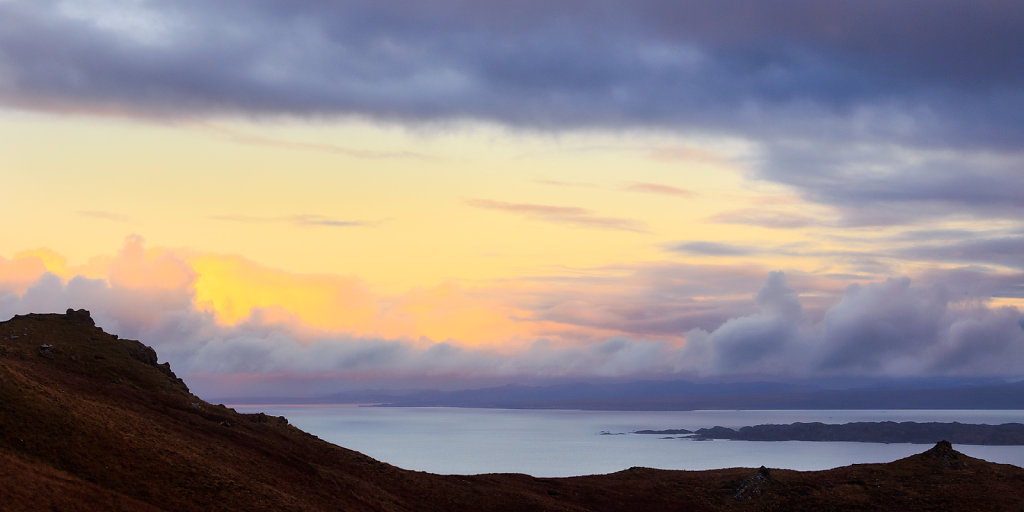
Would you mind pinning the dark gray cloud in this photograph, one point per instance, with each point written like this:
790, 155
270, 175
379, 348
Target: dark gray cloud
1005, 251
801, 65
930, 235
883, 184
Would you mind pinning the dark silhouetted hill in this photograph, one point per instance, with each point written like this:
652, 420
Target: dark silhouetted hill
92, 422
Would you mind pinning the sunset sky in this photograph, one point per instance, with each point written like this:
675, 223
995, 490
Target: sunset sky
311, 196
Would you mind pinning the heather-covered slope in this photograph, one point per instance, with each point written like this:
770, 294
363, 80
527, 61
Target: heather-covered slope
92, 422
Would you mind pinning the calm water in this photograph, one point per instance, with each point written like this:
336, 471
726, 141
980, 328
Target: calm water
566, 443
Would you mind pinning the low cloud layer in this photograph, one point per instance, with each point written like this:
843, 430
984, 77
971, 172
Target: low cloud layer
889, 328
942, 326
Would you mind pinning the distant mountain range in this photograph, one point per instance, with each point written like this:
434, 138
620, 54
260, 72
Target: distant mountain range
685, 395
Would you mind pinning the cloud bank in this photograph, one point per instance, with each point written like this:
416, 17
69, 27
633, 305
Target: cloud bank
695, 63
942, 326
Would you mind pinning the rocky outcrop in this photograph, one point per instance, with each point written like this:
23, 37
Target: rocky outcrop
946, 456
80, 317
754, 486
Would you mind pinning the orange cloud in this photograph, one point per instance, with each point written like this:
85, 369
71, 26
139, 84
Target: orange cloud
232, 287
148, 282
448, 312
237, 290
657, 188
18, 274
135, 267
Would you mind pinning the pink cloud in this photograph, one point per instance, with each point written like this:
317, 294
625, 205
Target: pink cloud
561, 215
655, 188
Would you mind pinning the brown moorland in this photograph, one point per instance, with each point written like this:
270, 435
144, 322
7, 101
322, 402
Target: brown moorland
92, 422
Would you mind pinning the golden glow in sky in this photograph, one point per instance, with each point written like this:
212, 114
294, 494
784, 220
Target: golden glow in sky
382, 231
520, 189
324, 222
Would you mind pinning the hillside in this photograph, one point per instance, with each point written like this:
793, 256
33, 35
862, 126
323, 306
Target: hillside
92, 422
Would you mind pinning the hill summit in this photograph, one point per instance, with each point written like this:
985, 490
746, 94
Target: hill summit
89, 421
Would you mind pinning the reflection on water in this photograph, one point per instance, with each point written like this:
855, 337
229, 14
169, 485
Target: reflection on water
565, 443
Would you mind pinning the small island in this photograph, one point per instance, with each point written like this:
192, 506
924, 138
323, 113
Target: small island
1006, 434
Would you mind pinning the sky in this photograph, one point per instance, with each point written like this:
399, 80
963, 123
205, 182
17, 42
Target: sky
302, 197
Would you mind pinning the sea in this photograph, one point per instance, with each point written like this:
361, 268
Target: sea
558, 443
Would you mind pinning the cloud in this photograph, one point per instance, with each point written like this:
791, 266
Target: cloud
686, 154
257, 140
888, 328
765, 218
295, 220
558, 183
874, 326
881, 185
762, 340
655, 188
930, 235
941, 326
561, 215
265, 349
319, 220
1005, 251
809, 67
17, 274
661, 301
713, 249
104, 215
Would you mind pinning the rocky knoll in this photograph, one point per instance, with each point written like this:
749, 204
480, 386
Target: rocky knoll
92, 422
